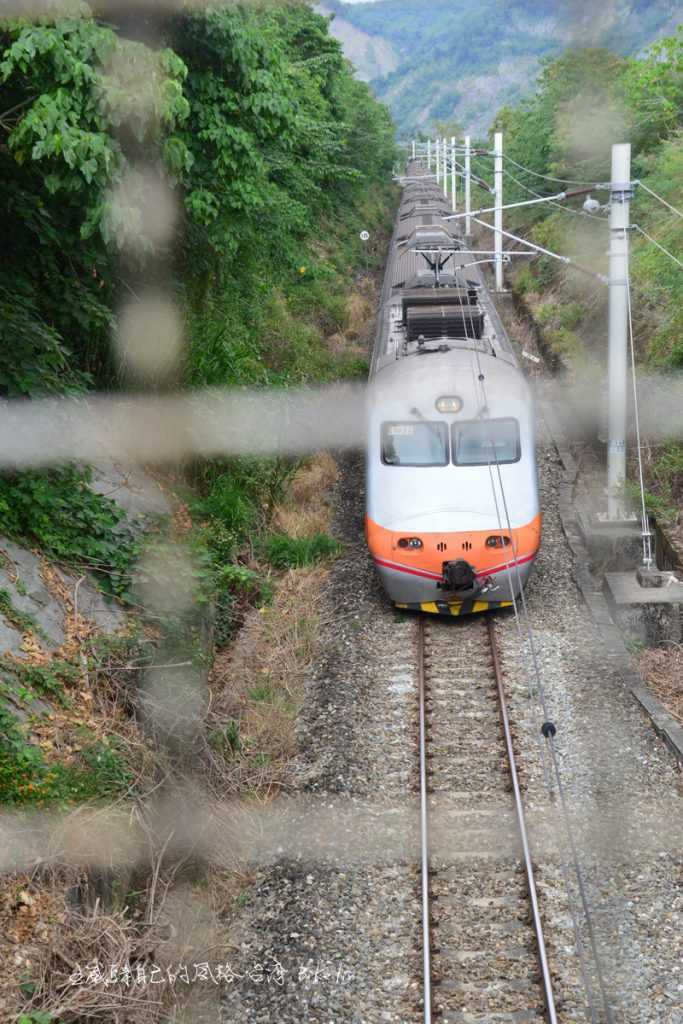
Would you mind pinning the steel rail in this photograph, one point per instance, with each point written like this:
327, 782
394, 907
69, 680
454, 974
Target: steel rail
424, 831
528, 865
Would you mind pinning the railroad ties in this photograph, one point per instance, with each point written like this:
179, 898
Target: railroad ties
483, 962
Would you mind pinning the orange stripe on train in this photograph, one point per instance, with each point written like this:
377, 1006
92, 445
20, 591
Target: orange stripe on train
443, 547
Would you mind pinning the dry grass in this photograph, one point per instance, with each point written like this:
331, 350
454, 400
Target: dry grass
521, 333
354, 339
359, 311
99, 965
662, 669
257, 686
174, 895
257, 690
307, 508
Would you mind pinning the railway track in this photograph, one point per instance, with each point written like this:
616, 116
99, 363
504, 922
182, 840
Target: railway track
484, 957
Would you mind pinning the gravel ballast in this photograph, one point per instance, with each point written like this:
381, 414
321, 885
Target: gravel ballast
334, 919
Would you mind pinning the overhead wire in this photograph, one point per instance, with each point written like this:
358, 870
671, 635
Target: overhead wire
660, 199
549, 736
511, 562
547, 177
512, 565
592, 216
525, 241
637, 227
552, 202
645, 523
546, 252
565, 181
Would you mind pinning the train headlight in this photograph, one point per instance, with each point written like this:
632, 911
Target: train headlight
410, 542
448, 403
497, 541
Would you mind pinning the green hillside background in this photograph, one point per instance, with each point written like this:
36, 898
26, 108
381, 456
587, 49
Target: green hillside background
445, 60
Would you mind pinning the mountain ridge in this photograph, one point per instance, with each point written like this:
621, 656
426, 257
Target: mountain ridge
449, 60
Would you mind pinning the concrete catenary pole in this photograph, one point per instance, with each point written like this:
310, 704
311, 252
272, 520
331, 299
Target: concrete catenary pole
444, 150
429, 154
454, 187
498, 213
620, 198
438, 163
468, 185
413, 149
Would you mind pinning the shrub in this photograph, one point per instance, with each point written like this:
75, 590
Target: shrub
285, 552
524, 281
571, 314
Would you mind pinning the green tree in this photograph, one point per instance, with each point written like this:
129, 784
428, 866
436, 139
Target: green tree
62, 154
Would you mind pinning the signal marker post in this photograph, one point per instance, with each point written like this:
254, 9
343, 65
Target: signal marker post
498, 213
468, 185
365, 237
621, 192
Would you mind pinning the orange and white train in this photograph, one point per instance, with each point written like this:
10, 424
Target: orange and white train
453, 521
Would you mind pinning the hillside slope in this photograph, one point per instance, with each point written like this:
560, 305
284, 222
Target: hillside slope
458, 60
372, 56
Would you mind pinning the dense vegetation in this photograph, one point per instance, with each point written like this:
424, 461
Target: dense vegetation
585, 101
457, 58
276, 156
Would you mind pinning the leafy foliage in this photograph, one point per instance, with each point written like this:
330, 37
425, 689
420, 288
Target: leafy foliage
58, 511
653, 90
252, 114
27, 778
62, 154
641, 97
557, 132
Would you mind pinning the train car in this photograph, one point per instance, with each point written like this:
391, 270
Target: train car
452, 518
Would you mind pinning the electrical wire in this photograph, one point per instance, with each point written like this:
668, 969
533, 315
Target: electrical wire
659, 199
509, 564
530, 646
546, 252
547, 177
481, 182
646, 535
552, 202
636, 227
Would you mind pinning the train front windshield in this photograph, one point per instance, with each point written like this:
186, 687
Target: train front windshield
480, 442
471, 443
415, 444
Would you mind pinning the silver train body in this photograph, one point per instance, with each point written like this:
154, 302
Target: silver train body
452, 518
